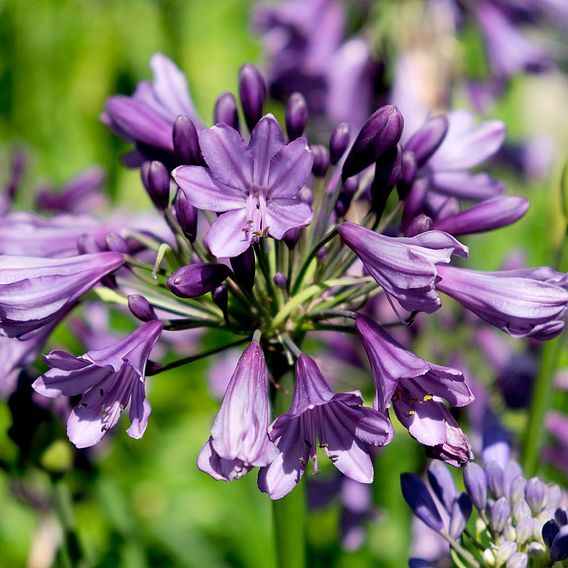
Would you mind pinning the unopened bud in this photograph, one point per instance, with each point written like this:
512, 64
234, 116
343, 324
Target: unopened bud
156, 180
226, 111
141, 308
280, 280
296, 116
339, 142
252, 92
321, 160
244, 269
197, 279
186, 215
424, 143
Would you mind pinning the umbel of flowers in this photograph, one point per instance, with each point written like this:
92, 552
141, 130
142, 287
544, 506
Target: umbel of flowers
265, 235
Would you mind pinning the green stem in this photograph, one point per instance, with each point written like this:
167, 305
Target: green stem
543, 388
192, 358
71, 553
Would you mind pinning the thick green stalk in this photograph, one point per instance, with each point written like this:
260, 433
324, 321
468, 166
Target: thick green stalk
289, 513
543, 388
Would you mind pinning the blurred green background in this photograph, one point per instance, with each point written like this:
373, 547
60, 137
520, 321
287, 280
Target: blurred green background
146, 504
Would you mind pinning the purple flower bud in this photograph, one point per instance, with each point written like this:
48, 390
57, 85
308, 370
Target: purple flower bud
524, 530
186, 215
459, 515
156, 180
498, 514
244, 269
87, 244
186, 141
559, 548
252, 92
521, 511
561, 516
116, 243
549, 530
427, 139
517, 492
485, 216
296, 116
321, 160
408, 170
535, 495
419, 225
387, 174
197, 279
339, 142
380, 133
141, 308
442, 484
494, 475
476, 485
226, 111
322, 253
518, 560
280, 280
221, 297
292, 237
418, 498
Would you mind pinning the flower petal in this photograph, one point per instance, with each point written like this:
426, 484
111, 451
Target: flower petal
227, 237
290, 168
285, 214
265, 141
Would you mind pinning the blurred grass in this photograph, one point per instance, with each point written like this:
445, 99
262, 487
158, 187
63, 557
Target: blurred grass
146, 504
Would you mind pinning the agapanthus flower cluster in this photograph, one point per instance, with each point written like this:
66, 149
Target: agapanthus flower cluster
262, 235
502, 518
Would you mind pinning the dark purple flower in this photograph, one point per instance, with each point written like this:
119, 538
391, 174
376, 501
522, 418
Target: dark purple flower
109, 380
296, 116
156, 180
254, 187
239, 439
346, 431
35, 292
252, 92
83, 194
197, 279
416, 389
521, 303
148, 116
418, 498
226, 110
406, 267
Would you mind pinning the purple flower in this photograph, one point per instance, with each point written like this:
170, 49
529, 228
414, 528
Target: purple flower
406, 267
239, 439
522, 303
83, 194
148, 116
109, 381
346, 431
35, 292
254, 187
26, 234
416, 389
509, 51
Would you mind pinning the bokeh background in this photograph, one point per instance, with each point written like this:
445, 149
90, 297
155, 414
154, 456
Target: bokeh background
144, 503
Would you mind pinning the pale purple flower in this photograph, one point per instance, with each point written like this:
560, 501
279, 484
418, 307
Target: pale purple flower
254, 186
239, 439
27, 234
406, 267
109, 380
148, 116
346, 431
522, 303
36, 292
83, 194
416, 388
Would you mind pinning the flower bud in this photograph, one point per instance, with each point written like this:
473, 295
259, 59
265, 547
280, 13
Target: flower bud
292, 237
87, 244
220, 296
339, 142
280, 280
535, 495
186, 141
141, 308
419, 225
116, 243
322, 253
517, 492
559, 548
197, 279
476, 485
226, 111
306, 195
460, 512
504, 552
252, 92
418, 498
296, 116
156, 180
561, 516
424, 143
498, 514
442, 484
524, 530
549, 531
518, 560
244, 269
387, 174
554, 496
186, 215
380, 133
321, 160
408, 170
494, 475
521, 511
